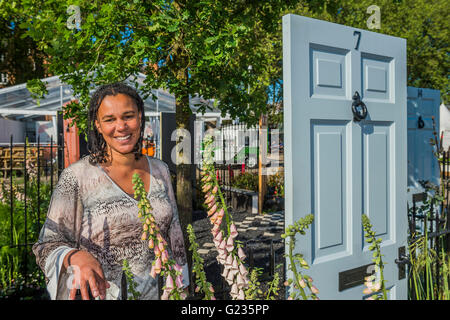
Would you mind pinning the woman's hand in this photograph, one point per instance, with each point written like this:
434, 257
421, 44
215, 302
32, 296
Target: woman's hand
88, 271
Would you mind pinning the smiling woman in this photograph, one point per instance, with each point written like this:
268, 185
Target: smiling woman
92, 224
113, 111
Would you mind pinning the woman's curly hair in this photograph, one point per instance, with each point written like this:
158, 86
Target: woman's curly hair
96, 143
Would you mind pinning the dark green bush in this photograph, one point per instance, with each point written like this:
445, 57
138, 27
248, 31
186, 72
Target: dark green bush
246, 181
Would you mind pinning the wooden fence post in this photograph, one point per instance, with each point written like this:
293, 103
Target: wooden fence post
262, 148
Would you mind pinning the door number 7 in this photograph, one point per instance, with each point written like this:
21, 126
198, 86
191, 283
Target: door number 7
358, 33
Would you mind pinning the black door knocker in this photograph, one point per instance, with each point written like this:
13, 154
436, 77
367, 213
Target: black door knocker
358, 108
420, 123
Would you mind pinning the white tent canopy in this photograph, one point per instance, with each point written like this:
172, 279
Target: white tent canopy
16, 102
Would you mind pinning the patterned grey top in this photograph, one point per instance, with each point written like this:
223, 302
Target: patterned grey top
89, 211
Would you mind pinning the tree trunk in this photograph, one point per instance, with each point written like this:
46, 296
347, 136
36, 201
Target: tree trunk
183, 167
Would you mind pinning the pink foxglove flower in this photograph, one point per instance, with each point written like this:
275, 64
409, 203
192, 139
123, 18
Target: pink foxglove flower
153, 272
302, 283
230, 276
314, 290
215, 228
161, 246
214, 232
214, 190
151, 244
169, 283
218, 236
243, 270
211, 203
222, 256
225, 272
222, 244
179, 281
212, 210
209, 199
164, 256
233, 231
206, 187
158, 265
235, 264
165, 295
367, 291
240, 281
177, 267
234, 289
241, 253
230, 244
241, 295
229, 260
157, 251
218, 221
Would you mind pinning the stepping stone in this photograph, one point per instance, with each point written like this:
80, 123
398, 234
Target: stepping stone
253, 228
203, 251
277, 218
241, 230
209, 245
268, 234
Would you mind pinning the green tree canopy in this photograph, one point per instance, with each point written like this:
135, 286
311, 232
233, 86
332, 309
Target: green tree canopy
188, 47
20, 59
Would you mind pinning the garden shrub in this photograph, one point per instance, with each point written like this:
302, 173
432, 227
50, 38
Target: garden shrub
246, 181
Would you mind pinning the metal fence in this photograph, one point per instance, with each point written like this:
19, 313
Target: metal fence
236, 152
429, 225
29, 173
430, 210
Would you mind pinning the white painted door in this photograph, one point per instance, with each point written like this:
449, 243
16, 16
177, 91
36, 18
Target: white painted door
338, 168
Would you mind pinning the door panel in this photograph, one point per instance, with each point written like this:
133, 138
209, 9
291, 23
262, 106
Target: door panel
329, 76
337, 168
329, 185
422, 164
377, 178
376, 77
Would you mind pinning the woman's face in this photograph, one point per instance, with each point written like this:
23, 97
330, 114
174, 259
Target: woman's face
118, 120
